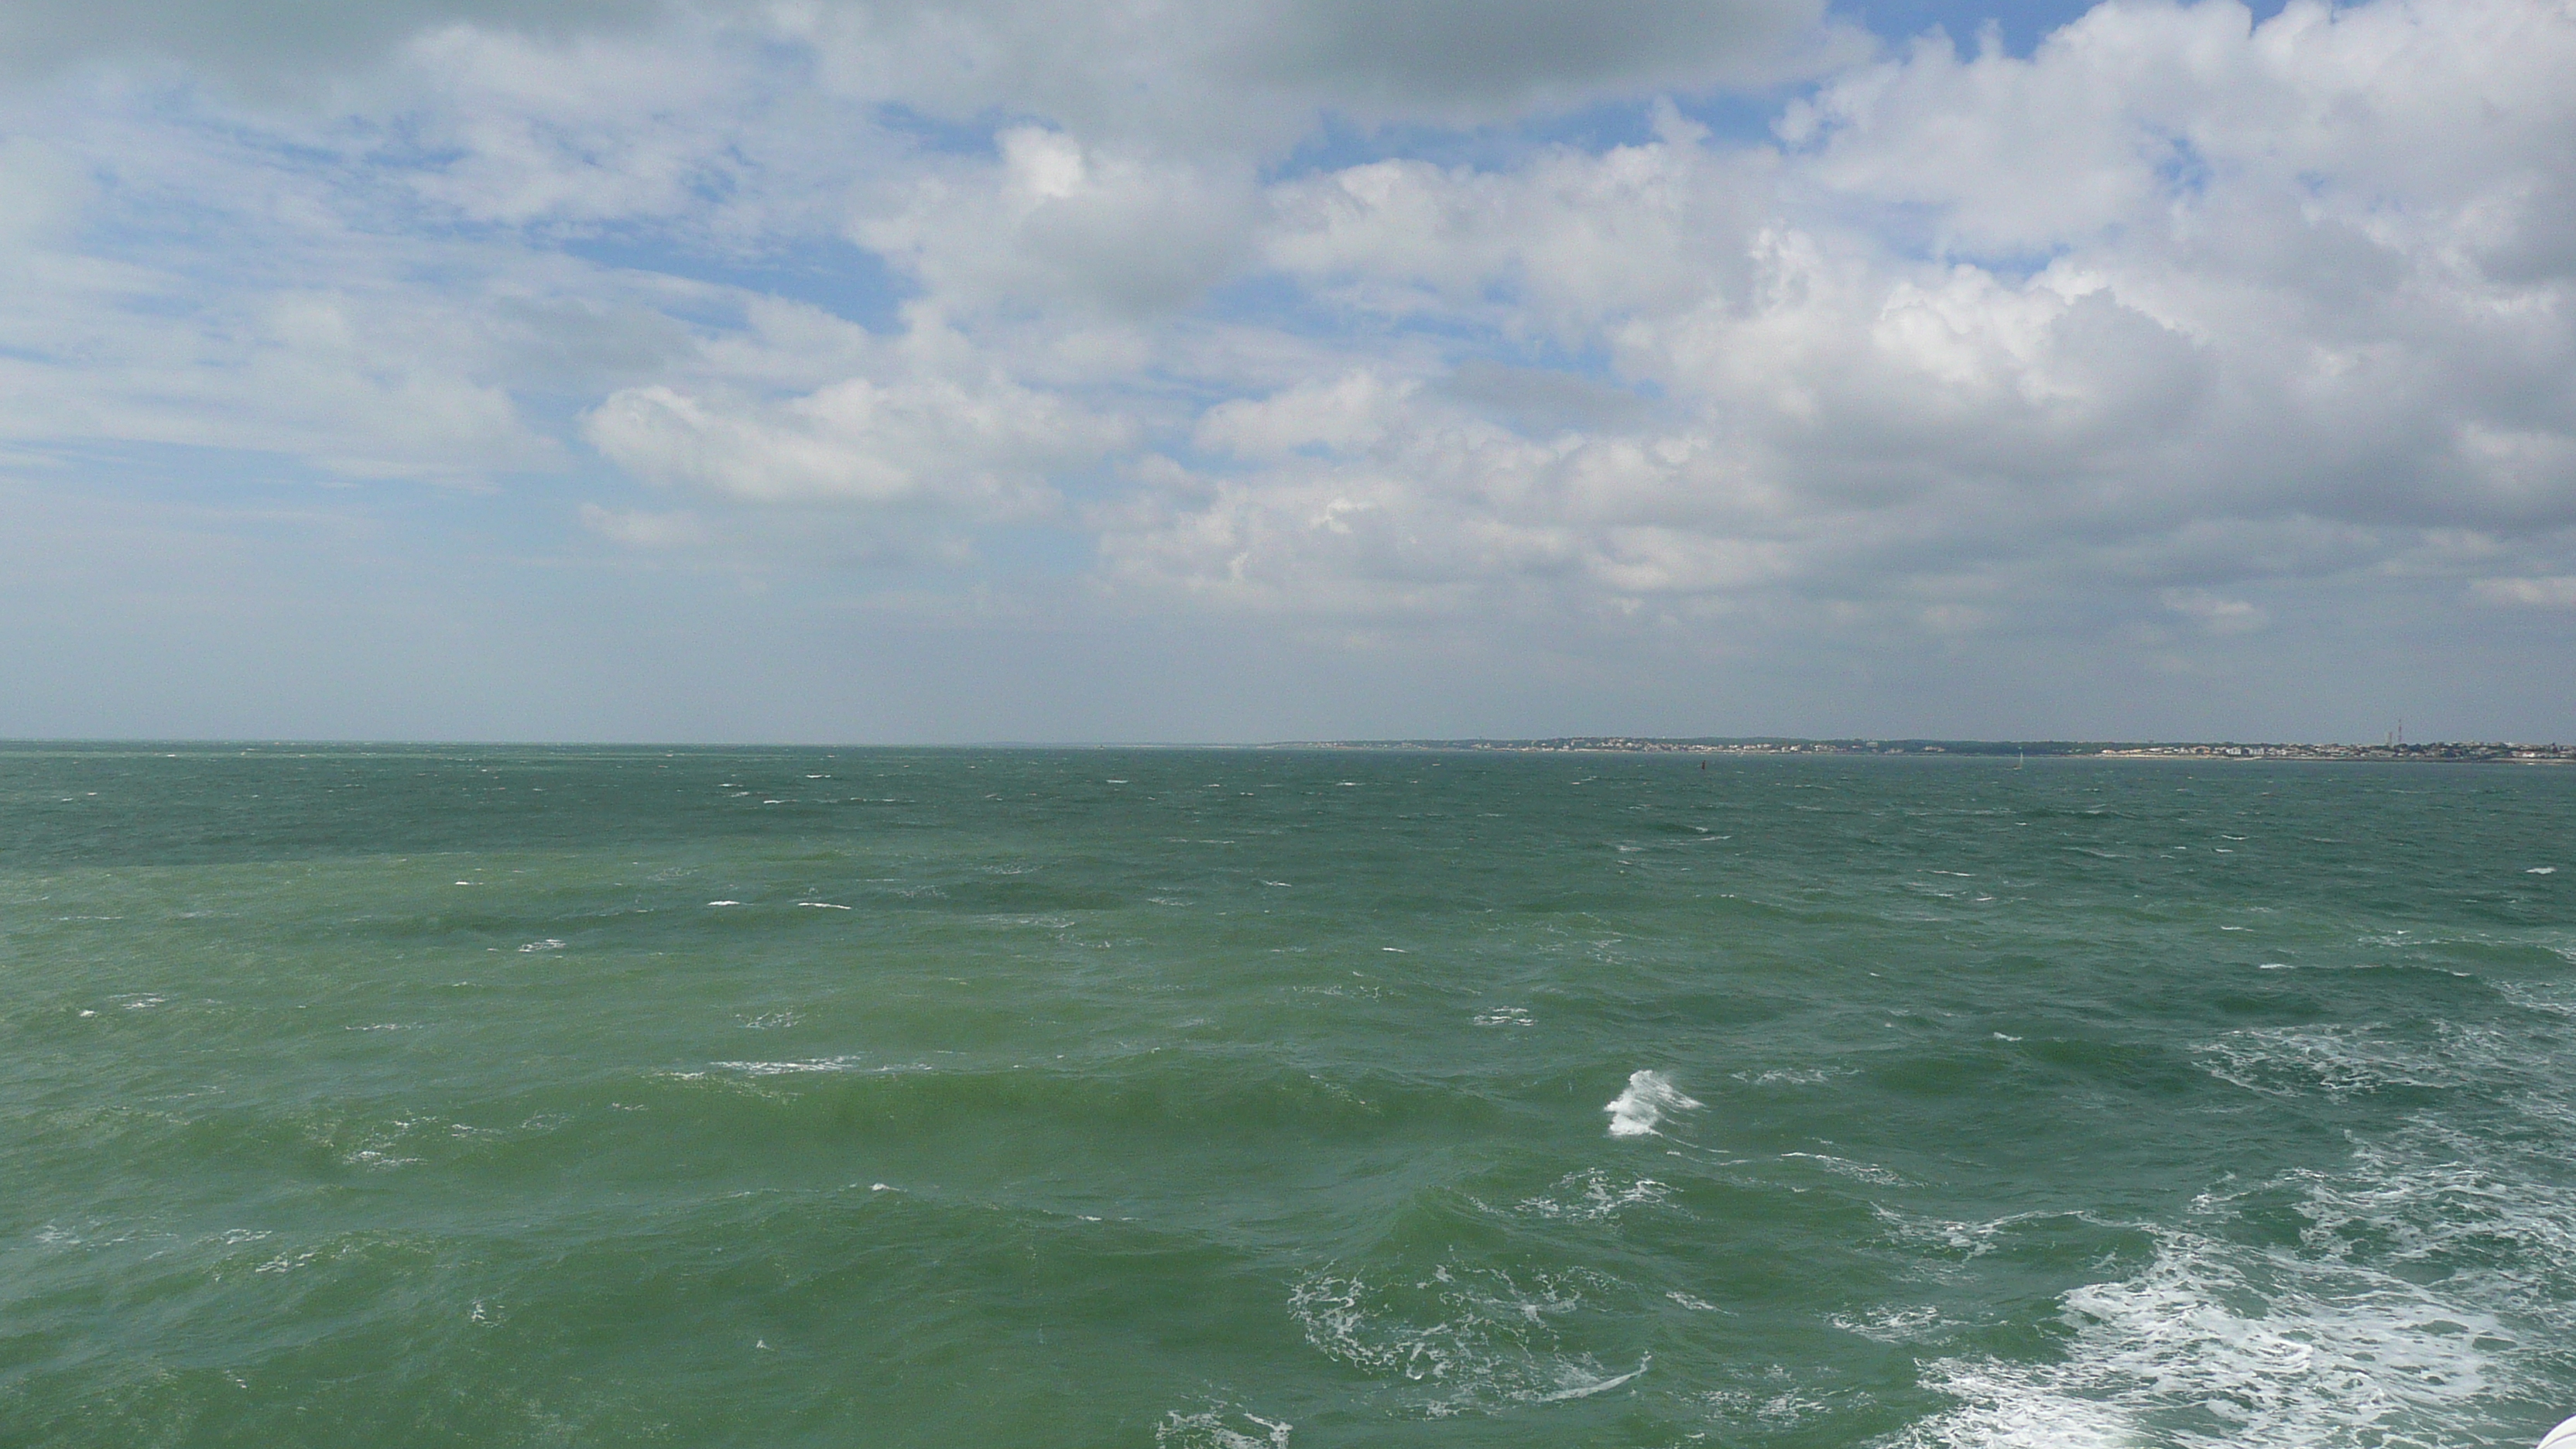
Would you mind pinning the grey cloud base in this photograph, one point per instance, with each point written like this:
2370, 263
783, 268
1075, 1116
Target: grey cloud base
1446, 59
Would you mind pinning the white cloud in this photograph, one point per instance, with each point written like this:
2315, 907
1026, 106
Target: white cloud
639, 529
980, 447
579, 129
2096, 344
2262, 307
1562, 244
1346, 415
41, 192
2216, 613
2558, 592
1051, 223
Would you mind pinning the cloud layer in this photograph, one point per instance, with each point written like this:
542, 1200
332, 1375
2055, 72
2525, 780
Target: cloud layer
2182, 343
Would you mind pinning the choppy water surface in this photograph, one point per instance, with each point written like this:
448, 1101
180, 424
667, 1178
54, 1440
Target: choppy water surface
1199, 1099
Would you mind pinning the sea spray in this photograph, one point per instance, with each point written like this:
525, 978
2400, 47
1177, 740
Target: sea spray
1634, 1112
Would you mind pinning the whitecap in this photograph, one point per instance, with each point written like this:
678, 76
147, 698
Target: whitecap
1210, 1430
1591, 1196
2424, 1302
1583, 1389
2272, 1349
1791, 1076
1634, 1112
780, 1069
1890, 1325
2347, 1061
1845, 1167
1474, 1338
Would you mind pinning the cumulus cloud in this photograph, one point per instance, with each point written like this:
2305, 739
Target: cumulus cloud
1051, 222
977, 446
2102, 342
2185, 274
1346, 415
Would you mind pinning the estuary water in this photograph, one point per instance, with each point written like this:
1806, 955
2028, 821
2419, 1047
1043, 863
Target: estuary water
1280, 1100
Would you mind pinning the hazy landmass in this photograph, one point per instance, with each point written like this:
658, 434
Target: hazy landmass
2429, 752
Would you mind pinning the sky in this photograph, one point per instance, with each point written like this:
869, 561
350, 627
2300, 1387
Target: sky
938, 371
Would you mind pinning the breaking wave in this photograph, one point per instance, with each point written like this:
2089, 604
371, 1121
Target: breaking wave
1636, 1111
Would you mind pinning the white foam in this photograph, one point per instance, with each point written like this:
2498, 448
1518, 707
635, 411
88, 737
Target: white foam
1792, 1076
1634, 1112
724, 903
780, 1069
1506, 1016
1585, 1390
548, 944
2215, 1345
1490, 1339
1592, 1195
1845, 1167
2541, 870
1211, 1431
2348, 1061
1891, 1325
2424, 1302
821, 906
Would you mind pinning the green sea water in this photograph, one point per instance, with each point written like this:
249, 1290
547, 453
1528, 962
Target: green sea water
406, 1097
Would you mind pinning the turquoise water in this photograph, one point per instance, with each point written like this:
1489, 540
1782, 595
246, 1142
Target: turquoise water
1200, 1098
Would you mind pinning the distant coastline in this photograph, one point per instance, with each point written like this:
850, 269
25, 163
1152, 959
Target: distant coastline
2429, 752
